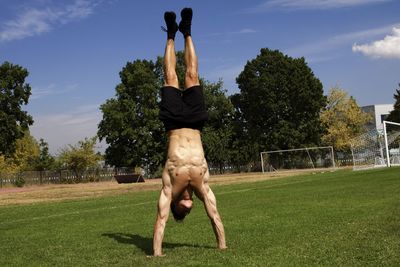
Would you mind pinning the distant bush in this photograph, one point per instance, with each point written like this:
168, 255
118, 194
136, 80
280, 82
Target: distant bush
19, 181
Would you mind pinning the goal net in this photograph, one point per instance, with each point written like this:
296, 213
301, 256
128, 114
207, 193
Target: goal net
377, 148
392, 142
299, 158
368, 150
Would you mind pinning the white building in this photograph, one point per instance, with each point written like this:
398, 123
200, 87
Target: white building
379, 113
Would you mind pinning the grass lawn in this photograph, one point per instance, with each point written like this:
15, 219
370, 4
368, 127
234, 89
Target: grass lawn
341, 218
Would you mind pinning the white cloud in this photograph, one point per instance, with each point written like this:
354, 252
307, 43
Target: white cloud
335, 42
311, 4
388, 47
80, 9
35, 21
32, 22
244, 31
52, 89
61, 129
241, 31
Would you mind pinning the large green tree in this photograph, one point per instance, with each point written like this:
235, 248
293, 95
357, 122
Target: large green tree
14, 93
343, 118
217, 134
130, 124
280, 100
244, 151
395, 113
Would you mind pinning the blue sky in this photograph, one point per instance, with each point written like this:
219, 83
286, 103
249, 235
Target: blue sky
75, 49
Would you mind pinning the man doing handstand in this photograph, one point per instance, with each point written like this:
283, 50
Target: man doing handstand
183, 114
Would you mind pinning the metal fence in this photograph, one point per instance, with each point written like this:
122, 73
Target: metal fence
61, 176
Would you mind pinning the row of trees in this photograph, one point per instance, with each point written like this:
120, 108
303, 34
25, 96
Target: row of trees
19, 150
31, 155
280, 106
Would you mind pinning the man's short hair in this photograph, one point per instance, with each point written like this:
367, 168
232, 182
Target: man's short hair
178, 217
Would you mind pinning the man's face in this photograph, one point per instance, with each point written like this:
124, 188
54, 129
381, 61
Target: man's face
184, 206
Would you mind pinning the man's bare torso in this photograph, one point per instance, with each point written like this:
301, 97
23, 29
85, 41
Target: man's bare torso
186, 164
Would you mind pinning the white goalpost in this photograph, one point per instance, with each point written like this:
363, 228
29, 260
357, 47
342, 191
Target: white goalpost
391, 132
377, 148
299, 158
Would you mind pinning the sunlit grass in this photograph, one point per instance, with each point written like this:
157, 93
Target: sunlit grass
335, 219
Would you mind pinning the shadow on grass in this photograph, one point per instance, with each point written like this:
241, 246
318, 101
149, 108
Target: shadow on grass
146, 243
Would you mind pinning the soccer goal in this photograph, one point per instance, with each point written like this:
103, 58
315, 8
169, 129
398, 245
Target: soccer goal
377, 148
299, 158
392, 142
367, 150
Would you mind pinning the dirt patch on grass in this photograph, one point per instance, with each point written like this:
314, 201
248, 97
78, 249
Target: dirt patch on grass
53, 193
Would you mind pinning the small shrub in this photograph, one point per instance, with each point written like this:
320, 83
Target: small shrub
19, 181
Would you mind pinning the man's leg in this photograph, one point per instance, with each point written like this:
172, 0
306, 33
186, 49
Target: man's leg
170, 77
191, 75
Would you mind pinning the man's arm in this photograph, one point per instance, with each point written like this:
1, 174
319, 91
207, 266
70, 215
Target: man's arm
210, 203
162, 214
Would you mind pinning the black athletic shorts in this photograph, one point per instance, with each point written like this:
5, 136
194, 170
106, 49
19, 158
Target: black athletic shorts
182, 108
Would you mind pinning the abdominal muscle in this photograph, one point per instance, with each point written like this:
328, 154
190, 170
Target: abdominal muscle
186, 163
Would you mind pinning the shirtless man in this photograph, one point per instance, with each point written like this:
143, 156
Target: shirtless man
183, 114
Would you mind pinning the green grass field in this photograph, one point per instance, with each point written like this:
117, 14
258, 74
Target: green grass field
342, 218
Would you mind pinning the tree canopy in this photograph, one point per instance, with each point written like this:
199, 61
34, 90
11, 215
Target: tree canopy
132, 129
26, 152
395, 113
80, 157
14, 93
279, 102
217, 134
343, 119
44, 161
278, 107
130, 123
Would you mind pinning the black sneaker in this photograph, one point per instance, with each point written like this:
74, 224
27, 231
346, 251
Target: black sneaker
172, 26
185, 26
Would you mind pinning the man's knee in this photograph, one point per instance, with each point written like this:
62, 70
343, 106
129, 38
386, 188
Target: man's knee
170, 78
191, 77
